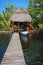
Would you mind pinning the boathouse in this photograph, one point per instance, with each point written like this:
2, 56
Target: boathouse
21, 20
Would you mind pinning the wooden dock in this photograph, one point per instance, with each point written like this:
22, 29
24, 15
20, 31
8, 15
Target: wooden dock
14, 53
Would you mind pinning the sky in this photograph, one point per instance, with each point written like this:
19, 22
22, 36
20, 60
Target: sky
17, 3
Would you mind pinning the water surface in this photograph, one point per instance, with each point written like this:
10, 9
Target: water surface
32, 49
4, 42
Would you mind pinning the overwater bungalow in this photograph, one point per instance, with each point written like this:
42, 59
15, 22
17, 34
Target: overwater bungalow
21, 20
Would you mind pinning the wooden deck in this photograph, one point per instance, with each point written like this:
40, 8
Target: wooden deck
14, 54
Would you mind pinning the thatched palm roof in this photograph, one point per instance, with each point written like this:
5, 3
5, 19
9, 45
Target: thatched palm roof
21, 15
21, 10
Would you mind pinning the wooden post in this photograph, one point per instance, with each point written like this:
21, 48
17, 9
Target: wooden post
27, 27
12, 27
30, 25
18, 26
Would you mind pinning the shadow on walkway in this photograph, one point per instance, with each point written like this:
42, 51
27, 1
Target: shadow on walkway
4, 42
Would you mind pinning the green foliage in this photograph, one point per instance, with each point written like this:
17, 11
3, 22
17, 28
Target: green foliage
10, 8
40, 25
4, 24
36, 11
4, 17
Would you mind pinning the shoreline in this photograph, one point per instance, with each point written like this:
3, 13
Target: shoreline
5, 32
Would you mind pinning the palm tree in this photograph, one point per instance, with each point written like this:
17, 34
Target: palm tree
4, 17
4, 24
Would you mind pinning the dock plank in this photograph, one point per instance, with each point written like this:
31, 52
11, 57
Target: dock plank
14, 53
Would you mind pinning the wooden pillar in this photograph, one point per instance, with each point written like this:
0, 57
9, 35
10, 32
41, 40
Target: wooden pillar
18, 26
27, 27
30, 25
12, 27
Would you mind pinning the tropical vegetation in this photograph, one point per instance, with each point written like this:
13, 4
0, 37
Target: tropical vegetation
35, 8
4, 17
36, 11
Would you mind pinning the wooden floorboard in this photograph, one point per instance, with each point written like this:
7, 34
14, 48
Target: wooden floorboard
14, 53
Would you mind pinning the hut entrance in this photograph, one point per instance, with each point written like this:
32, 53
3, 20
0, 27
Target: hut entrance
23, 26
20, 26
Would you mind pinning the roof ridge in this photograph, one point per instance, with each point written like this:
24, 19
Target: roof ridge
21, 10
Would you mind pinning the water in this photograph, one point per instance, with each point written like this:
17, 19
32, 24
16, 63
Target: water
32, 49
4, 42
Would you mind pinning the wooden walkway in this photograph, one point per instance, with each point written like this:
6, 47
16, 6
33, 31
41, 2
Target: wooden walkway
14, 54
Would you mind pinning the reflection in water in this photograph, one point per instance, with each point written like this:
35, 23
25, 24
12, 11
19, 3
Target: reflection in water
4, 42
33, 50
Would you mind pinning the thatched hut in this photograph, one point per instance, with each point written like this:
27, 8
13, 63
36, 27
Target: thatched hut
21, 19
